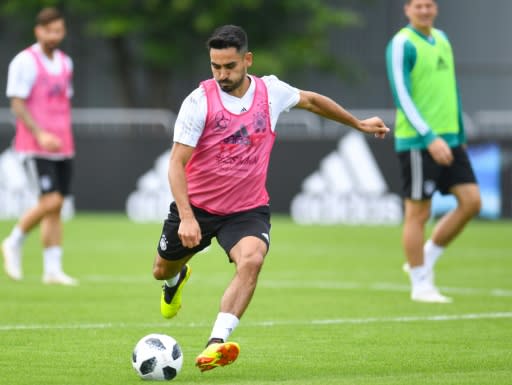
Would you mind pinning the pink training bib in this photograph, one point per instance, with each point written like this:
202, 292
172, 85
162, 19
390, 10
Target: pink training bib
227, 172
50, 107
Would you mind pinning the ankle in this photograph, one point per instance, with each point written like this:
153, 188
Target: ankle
214, 341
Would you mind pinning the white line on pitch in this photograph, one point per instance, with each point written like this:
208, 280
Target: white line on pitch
377, 286
339, 321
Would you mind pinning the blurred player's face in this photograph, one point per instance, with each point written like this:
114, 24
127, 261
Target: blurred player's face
229, 69
50, 35
421, 14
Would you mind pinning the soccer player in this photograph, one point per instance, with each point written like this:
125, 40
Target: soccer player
39, 87
430, 142
223, 137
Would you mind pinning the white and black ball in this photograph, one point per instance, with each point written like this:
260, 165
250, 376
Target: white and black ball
157, 357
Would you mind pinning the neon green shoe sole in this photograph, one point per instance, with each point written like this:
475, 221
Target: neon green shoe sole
218, 354
170, 300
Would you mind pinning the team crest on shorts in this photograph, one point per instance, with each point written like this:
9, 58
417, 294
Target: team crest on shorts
45, 182
163, 243
429, 187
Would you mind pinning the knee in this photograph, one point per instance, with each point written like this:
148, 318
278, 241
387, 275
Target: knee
417, 217
52, 202
470, 203
252, 263
473, 205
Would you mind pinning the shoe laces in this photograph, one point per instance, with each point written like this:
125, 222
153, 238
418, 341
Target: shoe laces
169, 292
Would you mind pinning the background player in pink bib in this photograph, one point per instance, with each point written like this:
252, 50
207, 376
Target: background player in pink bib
40, 88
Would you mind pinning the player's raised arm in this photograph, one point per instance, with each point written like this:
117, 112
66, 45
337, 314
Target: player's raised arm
328, 108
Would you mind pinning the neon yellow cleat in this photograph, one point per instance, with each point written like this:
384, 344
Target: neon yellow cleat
217, 354
170, 301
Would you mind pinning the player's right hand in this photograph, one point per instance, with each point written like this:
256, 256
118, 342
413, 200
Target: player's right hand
441, 152
48, 141
189, 232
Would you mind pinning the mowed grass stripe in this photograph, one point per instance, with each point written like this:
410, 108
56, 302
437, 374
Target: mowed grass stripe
294, 284
404, 319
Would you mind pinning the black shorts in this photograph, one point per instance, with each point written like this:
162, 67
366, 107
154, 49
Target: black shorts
228, 229
422, 176
53, 175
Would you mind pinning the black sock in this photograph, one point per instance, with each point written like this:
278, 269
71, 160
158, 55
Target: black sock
214, 341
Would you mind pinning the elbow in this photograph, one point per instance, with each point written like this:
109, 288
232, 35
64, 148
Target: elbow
17, 107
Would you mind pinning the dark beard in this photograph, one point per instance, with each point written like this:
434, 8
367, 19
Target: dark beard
50, 46
230, 87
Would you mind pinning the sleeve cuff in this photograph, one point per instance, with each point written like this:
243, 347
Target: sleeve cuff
429, 138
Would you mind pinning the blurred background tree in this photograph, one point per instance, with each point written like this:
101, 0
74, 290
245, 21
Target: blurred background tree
163, 39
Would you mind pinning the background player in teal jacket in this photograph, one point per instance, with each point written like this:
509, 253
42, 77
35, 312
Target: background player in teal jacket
429, 140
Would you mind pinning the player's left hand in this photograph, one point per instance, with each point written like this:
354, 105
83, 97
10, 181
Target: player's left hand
376, 126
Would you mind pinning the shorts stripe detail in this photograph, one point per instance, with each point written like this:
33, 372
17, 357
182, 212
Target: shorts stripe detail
416, 175
32, 174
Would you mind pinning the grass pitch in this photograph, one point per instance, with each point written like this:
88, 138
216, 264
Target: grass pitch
332, 307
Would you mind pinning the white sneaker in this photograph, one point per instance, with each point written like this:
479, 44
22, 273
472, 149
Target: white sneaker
59, 278
12, 260
429, 293
430, 273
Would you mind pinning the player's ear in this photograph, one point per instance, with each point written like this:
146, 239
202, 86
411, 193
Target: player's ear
406, 9
248, 59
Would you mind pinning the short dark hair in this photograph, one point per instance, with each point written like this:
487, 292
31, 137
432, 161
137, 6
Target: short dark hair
228, 36
48, 15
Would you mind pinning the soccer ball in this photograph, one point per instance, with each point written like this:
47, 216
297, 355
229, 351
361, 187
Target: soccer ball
157, 357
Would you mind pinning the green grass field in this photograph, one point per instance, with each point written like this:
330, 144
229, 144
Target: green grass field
332, 307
